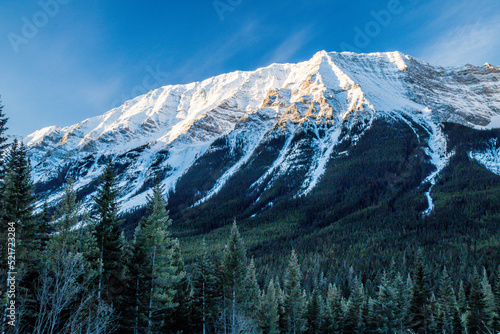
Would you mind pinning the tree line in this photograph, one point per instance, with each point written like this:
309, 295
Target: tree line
77, 273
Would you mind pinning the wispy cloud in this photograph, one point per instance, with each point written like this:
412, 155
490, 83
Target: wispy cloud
215, 54
473, 43
290, 46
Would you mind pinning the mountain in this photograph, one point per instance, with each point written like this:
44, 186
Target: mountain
336, 138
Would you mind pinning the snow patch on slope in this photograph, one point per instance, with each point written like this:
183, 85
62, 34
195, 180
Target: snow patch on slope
489, 158
327, 145
439, 158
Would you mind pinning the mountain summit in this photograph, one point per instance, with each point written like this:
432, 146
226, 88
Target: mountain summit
271, 133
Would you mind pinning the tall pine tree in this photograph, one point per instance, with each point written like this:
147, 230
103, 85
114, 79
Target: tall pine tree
234, 264
269, 311
205, 294
294, 300
477, 318
107, 233
420, 311
155, 274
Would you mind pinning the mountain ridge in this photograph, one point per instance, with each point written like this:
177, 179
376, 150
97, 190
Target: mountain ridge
169, 129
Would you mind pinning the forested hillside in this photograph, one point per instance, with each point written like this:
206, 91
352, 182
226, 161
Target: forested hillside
355, 256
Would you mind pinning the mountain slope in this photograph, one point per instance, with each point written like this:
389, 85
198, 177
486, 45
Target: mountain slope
269, 133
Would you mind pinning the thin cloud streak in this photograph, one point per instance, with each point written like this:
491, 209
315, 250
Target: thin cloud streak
472, 43
291, 46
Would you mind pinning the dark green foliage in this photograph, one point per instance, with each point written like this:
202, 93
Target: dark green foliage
269, 312
353, 321
205, 294
31, 232
3, 143
477, 314
420, 312
183, 297
333, 310
107, 232
448, 318
315, 314
294, 302
496, 293
157, 270
252, 300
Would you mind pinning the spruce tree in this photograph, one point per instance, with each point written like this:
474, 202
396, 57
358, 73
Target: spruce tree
294, 302
353, 315
315, 313
67, 235
489, 299
19, 203
3, 220
154, 274
333, 310
269, 310
448, 314
496, 292
3, 149
386, 307
420, 312
205, 294
403, 297
462, 299
107, 232
280, 293
31, 232
183, 294
477, 318
234, 264
252, 299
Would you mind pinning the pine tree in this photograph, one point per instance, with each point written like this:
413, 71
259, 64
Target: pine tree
489, 299
19, 203
3, 220
107, 232
371, 318
448, 317
419, 312
205, 294
477, 318
269, 310
280, 294
462, 299
315, 313
31, 232
353, 315
496, 292
154, 273
183, 294
294, 302
252, 299
403, 298
333, 310
386, 307
233, 266
433, 314
66, 237
3, 149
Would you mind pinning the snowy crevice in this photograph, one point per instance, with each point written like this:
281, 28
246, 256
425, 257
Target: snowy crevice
326, 147
277, 164
437, 151
257, 138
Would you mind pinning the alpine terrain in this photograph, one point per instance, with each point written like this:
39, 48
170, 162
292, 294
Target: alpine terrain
316, 155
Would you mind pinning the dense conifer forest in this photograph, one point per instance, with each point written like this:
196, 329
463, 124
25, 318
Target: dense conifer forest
90, 272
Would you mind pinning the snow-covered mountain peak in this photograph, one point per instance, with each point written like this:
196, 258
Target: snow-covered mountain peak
172, 126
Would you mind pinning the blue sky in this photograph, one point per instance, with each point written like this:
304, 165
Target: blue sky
62, 61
